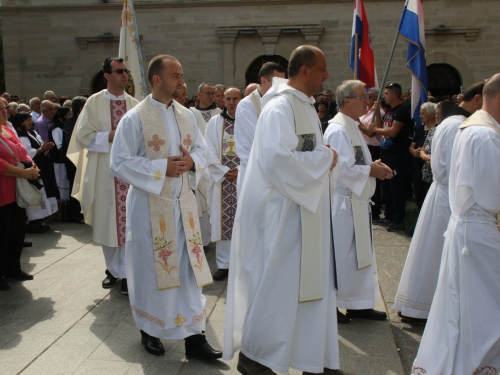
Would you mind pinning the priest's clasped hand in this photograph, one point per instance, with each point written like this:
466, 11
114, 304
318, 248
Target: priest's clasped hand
335, 157
178, 165
232, 174
380, 170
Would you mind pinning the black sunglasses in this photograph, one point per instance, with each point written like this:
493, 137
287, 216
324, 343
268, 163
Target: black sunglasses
121, 71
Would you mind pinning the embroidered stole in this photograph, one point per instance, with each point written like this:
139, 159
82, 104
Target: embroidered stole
255, 98
359, 203
162, 207
311, 270
228, 188
482, 118
118, 109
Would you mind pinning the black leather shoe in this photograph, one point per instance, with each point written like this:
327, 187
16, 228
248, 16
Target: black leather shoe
203, 351
109, 281
383, 222
20, 275
27, 244
405, 318
152, 344
3, 284
249, 367
341, 318
124, 287
396, 227
367, 314
221, 274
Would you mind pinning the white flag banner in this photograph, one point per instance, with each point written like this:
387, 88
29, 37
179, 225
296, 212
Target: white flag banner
130, 51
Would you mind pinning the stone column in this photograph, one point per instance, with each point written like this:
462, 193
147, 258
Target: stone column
311, 34
227, 38
269, 38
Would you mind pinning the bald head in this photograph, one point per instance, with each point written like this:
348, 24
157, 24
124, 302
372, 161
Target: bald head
305, 55
232, 97
251, 88
491, 97
307, 70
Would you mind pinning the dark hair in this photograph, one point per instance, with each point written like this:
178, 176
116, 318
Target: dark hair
395, 88
267, 70
77, 104
156, 66
106, 65
301, 56
58, 120
324, 102
17, 120
473, 90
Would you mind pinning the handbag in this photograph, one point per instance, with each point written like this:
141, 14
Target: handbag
27, 195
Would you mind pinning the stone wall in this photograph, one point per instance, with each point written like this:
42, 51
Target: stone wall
41, 51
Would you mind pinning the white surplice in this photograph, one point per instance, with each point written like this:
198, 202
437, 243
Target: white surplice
94, 186
420, 274
244, 133
462, 334
356, 288
263, 315
213, 141
172, 313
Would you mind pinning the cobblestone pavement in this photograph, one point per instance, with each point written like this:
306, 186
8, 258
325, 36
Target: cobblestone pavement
63, 322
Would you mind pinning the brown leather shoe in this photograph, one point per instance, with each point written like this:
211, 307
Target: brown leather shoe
249, 367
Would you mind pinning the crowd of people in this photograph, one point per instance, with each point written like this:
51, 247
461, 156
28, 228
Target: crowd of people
287, 180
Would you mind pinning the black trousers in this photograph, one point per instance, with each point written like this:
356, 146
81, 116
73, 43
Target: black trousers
12, 232
395, 189
377, 196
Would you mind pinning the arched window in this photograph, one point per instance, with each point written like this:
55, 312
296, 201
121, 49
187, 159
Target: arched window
252, 73
443, 79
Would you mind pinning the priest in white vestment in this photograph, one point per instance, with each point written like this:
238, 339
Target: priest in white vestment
248, 113
160, 152
420, 274
462, 335
357, 279
281, 293
223, 164
101, 195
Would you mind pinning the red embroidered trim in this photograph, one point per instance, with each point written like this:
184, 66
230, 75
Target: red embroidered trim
151, 318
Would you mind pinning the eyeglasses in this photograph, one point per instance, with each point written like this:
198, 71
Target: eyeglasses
363, 97
208, 93
121, 71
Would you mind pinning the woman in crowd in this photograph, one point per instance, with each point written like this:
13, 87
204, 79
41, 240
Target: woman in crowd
428, 118
12, 217
58, 158
38, 150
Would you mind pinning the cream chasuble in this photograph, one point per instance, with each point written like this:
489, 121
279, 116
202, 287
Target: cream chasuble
255, 98
161, 207
359, 203
311, 277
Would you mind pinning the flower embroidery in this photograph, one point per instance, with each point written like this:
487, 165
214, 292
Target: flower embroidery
187, 142
196, 250
486, 370
180, 320
418, 371
158, 175
156, 143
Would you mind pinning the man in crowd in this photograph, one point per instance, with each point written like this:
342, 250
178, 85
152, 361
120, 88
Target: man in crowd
462, 335
160, 152
357, 280
181, 95
36, 111
248, 113
420, 274
44, 122
101, 195
251, 88
223, 164
281, 260
219, 96
329, 97
49, 95
395, 131
206, 105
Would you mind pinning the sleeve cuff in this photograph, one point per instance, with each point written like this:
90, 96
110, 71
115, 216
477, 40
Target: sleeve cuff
158, 174
100, 143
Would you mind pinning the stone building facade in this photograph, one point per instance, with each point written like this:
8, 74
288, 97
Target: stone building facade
60, 44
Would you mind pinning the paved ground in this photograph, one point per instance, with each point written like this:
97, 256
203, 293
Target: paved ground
63, 322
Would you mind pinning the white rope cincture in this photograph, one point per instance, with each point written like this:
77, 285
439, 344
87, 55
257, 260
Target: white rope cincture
175, 201
346, 197
465, 249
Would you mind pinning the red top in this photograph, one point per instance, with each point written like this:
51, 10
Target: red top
8, 184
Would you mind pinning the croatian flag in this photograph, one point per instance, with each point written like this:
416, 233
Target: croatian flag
366, 70
130, 50
412, 29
